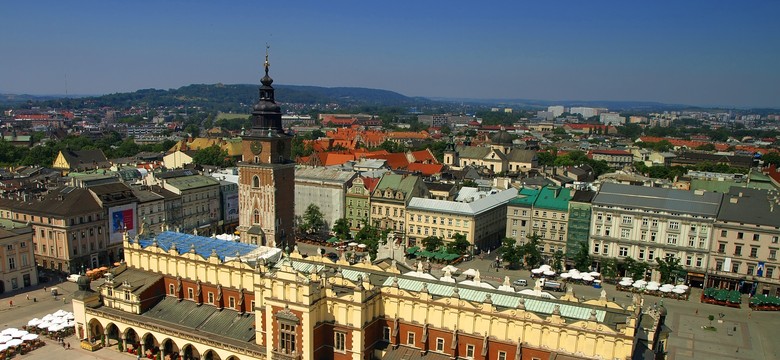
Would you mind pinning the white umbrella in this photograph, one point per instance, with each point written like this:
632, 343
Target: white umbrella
576, 276
565, 275
43, 325
654, 283
574, 271
678, 291
14, 342
3, 347
638, 285
640, 282
652, 287
594, 274
537, 271
5, 338
667, 286
545, 267
666, 290
48, 317
60, 313
8, 331
627, 279
352, 244
587, 277
29, 337
34, 321
625, 283
70, 324
362, 246
70, 316
549, 273
55, 327
681, 286
19, 334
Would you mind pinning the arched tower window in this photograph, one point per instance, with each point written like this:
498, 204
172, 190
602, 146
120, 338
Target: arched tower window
255, 181
257, 217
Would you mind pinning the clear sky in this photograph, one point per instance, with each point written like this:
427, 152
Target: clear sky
691, 52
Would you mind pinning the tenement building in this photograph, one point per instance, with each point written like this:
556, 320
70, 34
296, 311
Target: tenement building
324, 188
17, 268
541, 212
187, 296
746, 243
646, 223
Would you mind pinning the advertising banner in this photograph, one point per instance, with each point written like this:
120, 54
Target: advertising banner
122, 218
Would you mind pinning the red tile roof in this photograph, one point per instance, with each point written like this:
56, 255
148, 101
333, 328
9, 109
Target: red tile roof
610, 152
395, 161
370, 182
424, 156
426, 169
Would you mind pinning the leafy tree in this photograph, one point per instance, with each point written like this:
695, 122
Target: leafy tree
510, 252
706, 147
459, 244
609, 268
193, 130
631, 131
582, 260
638, 270
557, 264
669, 268
313, 220
431, 243
371, 236
212, 155
341, 229
546, 157
771, 158
530, 251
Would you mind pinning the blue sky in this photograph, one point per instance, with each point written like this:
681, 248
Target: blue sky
692, 52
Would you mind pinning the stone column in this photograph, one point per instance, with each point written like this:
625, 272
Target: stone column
143, 349
124, 344
105, 336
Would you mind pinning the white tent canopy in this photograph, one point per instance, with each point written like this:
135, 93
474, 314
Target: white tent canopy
470, 272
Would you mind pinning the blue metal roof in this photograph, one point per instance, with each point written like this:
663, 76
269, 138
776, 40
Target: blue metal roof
203, 245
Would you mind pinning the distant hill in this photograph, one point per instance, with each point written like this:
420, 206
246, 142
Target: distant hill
543, 104
235, 97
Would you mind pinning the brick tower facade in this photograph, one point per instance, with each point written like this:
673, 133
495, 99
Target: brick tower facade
266, 185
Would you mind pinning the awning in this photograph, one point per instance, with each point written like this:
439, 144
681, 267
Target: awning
255, 230
333, 240
413, 250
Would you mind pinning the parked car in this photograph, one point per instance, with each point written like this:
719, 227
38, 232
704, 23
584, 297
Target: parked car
73, 277
520, 282
553, 285
332, 256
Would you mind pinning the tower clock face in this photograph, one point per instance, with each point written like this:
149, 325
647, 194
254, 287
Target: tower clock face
256, 147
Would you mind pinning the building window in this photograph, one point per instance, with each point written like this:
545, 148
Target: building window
735, 267
171, 289
753, 252
502, 355
772, 254
190, 294
755, 237
606, 249
211, 298
595, 248
641, 253
671, 239
440, 342
724, 233
721, 247
470, 351
127, 295
650, 254
386, 333
623, 251
674, 225
698, 261
625, 233
232, 302
410, 338
626, 220
769, 272
287, 337
653, 236
340, 341
738, 250
654, 223
740, 235
689, 260
775, 239
255, 181
751, 269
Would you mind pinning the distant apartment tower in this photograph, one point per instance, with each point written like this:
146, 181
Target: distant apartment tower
449, 120
586, 112
611, 119
557, 110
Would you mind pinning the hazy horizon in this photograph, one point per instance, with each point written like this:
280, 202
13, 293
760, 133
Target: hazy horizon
694, 53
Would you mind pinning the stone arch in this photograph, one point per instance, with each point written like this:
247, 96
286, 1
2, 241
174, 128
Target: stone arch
211, 355
94, 330
149, 344
189, 352
169, 347
132, 339
233, 357
112, 334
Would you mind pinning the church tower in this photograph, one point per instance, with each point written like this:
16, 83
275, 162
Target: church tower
266, 175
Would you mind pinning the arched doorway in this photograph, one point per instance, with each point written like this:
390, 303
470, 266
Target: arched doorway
112, 335
2, 286
95, 331
189, 352
132, 340
211, 355
169, 348
150, 345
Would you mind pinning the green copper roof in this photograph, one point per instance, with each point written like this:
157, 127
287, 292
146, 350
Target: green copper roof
525, 197
553, 198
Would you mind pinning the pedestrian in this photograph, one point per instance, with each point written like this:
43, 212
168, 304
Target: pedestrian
10, 303
63, 344
44, 289
68, 346
28, 296
697, 311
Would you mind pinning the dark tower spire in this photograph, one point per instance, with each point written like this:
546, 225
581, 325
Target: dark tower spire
266, 114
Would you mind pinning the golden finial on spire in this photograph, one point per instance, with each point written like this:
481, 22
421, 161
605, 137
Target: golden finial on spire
267, 64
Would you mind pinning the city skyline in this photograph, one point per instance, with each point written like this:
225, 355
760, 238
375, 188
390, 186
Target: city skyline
696, 53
